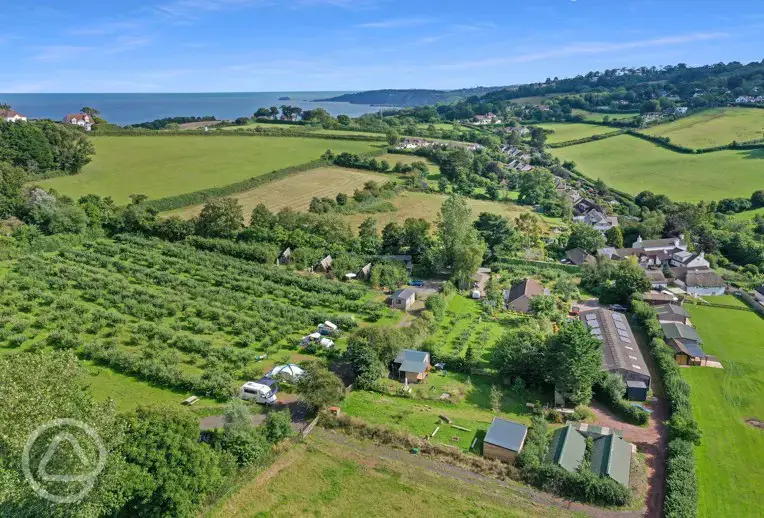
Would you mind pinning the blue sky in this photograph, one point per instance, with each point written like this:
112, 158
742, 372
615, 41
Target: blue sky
313, 45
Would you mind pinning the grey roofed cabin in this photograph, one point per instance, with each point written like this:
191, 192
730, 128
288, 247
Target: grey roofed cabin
407, 260
578, 257
672, 313
611, 457
504, 440
403, 299
679, 331
412, 365
620, 350
567, 448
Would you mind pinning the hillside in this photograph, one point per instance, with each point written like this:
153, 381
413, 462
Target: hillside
414, 97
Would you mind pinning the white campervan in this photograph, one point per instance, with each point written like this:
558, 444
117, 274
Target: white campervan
258, 393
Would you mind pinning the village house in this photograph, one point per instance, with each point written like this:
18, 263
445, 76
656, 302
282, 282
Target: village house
504, 440
689, 260
82, 120
488, 118
745, 99
597, 219
652, 259
621, 353
651, 117
586, 205
519, 297
12, 116
669, 245
411, 365
414, 143
611, 455
579, 257
699, 282
656, 277
403, 299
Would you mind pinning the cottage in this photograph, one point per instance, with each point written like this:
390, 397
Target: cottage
689, 260
621, 352
82, 120
578, 257
411, 365
669, 245
504, 440
325, 265
597, 219
645, 259
519, 297
488, 118
699, 282
668, 313
657, 278
403, 299
585, 205
12, 116
285, 257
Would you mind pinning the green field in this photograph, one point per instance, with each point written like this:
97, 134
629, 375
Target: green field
730, 471
301, 128
748, 215
563, 131
713, 127
166, 166
596, 116
634, 165
343, 477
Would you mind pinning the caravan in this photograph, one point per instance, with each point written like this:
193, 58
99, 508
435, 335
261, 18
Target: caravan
257, 392
327, 328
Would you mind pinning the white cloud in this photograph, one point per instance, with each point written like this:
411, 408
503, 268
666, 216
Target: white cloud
577, 49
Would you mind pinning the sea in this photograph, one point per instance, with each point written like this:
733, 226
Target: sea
132, 108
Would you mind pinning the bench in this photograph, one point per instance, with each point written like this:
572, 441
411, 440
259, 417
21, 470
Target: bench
190, 400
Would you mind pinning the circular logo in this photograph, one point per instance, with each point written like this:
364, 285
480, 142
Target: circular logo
64, 436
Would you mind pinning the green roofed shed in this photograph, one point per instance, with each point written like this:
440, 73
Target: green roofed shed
567, 449
611, 457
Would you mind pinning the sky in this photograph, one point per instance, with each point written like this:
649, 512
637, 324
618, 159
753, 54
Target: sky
93, 46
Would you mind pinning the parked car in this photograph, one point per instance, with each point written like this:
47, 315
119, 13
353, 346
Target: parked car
619, 308
418, 284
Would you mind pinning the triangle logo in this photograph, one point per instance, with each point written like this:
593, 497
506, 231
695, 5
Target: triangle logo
42, 470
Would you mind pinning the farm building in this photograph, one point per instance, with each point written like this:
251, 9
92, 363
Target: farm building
519, 297
411, 365
403, 299
578, 257
504, 440
325, 265
672, 313
621, 352
611, 455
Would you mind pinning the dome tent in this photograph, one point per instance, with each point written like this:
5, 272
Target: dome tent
290, 371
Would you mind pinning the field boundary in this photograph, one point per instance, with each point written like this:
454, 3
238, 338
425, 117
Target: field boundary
241, 133
584, 140
666, 144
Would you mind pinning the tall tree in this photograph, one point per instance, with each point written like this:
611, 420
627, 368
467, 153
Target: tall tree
368, 237
220, 218
585, 237
318, 387
574, 361
462, 247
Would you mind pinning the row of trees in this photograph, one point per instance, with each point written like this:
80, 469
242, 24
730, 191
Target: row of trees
44, 146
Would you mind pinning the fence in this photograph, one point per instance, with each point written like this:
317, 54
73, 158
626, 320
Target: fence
309, 428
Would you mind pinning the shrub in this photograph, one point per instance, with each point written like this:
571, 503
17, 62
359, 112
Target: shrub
681, 484
610, 390
278, 426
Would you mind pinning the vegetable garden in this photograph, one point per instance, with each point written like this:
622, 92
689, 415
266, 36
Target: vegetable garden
168, 313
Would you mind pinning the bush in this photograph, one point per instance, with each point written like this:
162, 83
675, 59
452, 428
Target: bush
610, 390
681, 484
278, 426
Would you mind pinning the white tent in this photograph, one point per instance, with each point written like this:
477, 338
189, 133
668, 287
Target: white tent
325, 342
290, 371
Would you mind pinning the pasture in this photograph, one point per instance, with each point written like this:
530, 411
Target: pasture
714, 127
297, 190
427, 206
748, 215
730, 471
317, 130
565, 131
160, 166
633, 165
597, 117
337, 476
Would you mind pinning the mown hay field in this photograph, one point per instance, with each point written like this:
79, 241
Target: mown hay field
714, 127
564, 131
160, 166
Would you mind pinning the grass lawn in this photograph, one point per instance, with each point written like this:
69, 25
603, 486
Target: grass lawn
420, 416
297, 190
748, 215
326, 478
714, 127
565, 131
166, 166
634, 165
596, 116
426, 205
730, 472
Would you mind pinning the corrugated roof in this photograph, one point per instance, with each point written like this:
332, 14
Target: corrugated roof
411, 355
619, 347
506, 434
611, 457
567, 448
404, 294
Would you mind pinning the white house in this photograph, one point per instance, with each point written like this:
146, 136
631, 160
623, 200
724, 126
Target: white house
12, 116
700, 282
598, 220
82, 120
669, 245
689, 260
